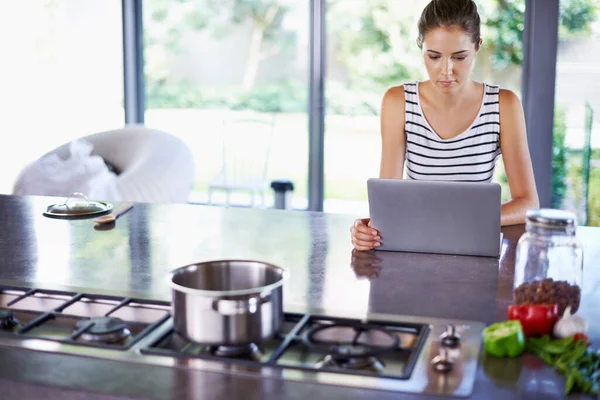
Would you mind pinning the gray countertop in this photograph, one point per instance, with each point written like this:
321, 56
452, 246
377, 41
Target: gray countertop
134, 256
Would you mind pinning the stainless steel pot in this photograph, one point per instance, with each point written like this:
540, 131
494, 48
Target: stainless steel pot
227, 302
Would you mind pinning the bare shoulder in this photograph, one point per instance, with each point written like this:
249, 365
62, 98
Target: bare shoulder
512, 118
394, 96
508, 100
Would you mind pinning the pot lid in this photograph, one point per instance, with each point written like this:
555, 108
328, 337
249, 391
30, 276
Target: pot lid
77, 206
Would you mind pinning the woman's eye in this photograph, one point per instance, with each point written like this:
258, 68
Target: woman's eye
434, 57
460, 58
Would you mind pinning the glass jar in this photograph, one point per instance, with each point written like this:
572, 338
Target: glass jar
549, 261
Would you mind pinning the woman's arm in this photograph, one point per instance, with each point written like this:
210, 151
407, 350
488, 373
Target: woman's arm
517, 161
393, 139
393, 146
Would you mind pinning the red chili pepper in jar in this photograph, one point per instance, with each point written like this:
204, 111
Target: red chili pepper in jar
536, 319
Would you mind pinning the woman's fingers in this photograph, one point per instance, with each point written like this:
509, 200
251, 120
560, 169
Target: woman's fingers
363, 237
360, 226
363, 241
363, 244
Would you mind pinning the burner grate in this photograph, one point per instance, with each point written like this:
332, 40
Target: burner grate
352, 344
79, 318
354, 363
313, 343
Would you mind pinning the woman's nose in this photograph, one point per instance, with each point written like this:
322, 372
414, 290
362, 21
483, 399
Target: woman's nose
449, 66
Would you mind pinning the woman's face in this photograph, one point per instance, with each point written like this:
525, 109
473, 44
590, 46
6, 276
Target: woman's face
449, 55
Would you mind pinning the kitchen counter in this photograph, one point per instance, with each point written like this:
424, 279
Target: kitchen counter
132, 258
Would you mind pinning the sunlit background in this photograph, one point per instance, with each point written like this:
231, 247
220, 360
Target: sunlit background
210, 65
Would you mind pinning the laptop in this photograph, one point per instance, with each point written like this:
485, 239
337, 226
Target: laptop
441, 217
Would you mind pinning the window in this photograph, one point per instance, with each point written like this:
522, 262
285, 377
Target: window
576, 144
230, 79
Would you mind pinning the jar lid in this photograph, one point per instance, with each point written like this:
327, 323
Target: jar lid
282, 185
551, 218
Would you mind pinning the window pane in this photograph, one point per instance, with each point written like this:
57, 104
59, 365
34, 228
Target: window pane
371, 47
576, 156
230, 79
61, 75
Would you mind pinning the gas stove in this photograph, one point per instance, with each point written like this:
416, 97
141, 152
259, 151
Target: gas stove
384, 352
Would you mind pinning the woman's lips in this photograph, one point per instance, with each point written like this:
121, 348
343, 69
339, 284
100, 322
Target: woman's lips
446, 83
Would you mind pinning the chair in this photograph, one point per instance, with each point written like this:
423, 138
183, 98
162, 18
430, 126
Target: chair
153, 166
246, 149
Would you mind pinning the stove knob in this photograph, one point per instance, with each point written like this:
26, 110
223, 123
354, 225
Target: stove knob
450, 338
441, 362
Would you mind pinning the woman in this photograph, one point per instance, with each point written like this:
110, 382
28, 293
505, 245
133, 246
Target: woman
451, 127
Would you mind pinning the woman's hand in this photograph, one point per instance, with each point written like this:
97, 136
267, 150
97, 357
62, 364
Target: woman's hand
363, 236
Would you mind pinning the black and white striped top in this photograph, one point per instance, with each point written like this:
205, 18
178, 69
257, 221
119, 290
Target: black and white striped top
470, 156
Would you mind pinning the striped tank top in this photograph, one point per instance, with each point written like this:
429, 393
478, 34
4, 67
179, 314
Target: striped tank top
470, 156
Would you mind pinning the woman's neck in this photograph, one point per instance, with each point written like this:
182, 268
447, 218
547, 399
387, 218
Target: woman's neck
456, 99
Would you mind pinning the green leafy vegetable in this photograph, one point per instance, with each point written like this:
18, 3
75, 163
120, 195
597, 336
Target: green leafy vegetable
579, 364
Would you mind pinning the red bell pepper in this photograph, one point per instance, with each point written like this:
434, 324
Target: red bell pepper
536, 319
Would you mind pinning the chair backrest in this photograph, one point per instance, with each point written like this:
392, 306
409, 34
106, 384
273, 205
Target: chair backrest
155, 166
246, 148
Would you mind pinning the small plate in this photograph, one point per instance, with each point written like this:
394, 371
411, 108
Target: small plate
81, 209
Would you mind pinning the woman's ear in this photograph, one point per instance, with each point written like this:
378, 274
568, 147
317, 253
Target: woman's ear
480, 43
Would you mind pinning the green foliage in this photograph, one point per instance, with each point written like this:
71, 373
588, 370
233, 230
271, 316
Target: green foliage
371, 43
574, 176
159, 94
560, 165
287, 96
168, 21
594, 198
576, 16
342, 100
559, 158
575, 179
504, 24
504, 33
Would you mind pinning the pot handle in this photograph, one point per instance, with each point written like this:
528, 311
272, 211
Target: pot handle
238, 307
